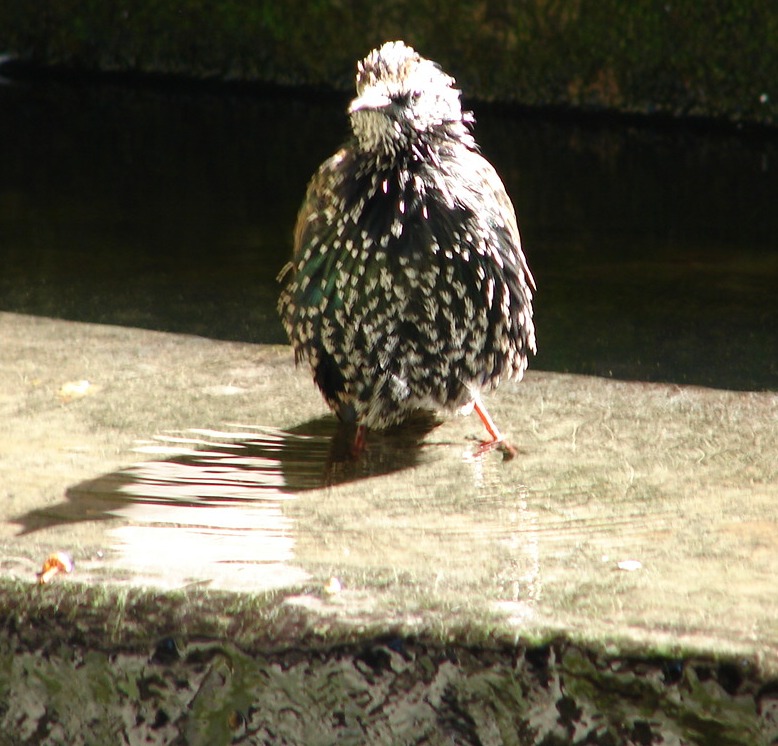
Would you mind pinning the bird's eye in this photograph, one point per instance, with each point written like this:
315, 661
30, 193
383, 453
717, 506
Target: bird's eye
402, 99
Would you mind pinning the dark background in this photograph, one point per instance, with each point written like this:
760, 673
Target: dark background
654, 247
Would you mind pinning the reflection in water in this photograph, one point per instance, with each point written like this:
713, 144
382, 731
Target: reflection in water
212, 515
520, 578
212, 510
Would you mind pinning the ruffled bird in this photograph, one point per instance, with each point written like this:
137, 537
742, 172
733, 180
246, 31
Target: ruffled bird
408, 288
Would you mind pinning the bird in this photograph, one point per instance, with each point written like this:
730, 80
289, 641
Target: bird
408, 288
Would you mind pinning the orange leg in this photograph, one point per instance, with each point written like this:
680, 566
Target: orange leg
486, 418
497, 441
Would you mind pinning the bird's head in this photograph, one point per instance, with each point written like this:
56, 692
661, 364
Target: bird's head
402, 100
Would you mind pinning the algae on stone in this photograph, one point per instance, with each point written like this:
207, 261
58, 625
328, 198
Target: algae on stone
707, 58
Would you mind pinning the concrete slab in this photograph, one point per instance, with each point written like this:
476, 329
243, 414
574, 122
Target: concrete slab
204, 492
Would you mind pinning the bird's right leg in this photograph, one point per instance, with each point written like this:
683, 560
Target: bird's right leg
498, 440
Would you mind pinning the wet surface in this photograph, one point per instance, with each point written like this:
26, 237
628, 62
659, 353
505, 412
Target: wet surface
228, 575
633, 510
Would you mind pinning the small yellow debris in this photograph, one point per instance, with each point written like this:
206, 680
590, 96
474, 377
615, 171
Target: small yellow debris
55, 563
333, 587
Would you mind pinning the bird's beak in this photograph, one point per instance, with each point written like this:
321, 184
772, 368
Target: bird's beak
370, 99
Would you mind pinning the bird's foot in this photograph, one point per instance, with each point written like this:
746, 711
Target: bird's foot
508, 451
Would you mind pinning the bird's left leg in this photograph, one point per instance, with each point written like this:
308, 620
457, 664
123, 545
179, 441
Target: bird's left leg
360, 441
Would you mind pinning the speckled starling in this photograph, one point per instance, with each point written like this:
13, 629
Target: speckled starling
408, 288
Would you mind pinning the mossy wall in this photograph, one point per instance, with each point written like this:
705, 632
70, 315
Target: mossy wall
84, 666
716, 58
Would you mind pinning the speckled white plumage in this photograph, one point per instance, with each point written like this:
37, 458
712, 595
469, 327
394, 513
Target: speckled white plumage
408, 288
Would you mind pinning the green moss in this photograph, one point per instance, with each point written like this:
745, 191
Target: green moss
713, 58
79, 659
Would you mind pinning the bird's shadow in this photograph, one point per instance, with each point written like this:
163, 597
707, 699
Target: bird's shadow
242, 465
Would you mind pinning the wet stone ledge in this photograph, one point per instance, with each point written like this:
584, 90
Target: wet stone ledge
246, 583
76, 668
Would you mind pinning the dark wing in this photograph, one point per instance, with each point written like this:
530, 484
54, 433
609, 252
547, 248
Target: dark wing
310, 291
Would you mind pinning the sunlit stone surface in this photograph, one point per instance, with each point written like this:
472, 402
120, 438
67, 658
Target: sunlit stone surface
637, 520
